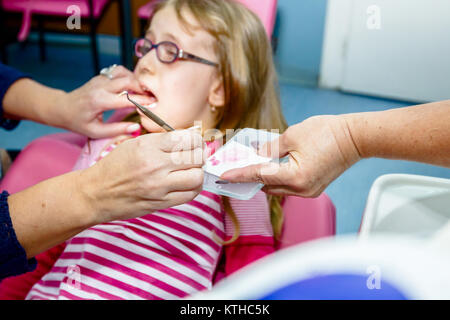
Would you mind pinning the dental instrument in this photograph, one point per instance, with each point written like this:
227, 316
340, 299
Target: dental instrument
149, 114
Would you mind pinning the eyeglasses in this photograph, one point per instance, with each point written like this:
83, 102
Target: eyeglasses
166, 52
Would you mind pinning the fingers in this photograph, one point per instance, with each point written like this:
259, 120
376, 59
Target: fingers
181, 140
105, 130
121, 78
287, 191
114, 101
180, 197
107, 93
187, 159
279, 191
124, 80
247, 174
128, 83
267, 173
180, 150
186, 180
121, 71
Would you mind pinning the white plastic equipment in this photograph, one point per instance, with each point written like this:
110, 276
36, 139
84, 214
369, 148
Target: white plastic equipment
408, 205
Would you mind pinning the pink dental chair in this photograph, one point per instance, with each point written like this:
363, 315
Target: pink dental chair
89, 9
265, 9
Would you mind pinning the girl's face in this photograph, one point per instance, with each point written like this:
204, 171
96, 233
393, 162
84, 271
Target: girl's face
185, 90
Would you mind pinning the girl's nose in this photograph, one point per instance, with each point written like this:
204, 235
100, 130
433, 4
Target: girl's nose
147, 63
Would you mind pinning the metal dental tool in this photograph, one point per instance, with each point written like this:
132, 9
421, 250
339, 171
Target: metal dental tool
149, 114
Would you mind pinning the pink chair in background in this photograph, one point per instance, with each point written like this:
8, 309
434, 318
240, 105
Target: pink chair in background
144, 13
89, 9
42, 159
265, 9
307, 219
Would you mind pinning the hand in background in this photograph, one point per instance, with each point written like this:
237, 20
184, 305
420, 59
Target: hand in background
84, 107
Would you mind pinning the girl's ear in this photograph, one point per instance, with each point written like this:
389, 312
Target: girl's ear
217, 93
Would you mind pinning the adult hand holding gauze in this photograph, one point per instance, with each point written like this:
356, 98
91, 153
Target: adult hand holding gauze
321, 148
318, 149
239, 152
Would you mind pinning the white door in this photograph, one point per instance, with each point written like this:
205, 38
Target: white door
389, 48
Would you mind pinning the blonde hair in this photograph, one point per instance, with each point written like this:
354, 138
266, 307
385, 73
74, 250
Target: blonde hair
247, 71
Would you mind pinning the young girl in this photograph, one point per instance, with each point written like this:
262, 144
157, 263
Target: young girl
201, 60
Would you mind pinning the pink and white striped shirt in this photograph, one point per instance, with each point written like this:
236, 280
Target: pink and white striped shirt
169, 254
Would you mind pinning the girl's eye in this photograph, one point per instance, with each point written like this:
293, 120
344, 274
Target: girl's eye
168, 52
171, 52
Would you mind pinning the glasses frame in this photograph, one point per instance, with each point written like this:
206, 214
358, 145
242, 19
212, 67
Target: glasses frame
180, 53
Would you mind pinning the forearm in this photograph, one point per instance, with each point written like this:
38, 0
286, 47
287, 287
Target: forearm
419, 133
27, 99
50, 212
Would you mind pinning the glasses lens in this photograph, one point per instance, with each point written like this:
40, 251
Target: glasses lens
142, 47
167, 52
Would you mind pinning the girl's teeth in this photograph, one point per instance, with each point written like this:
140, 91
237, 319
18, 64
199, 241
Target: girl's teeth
152, 106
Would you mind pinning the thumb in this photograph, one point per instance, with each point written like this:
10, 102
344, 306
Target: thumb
274, 149
115, 101
266, 173
106, 130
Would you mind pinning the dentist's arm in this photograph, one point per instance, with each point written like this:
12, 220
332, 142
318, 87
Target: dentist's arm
80, 110
321, 148
419, 133
140, 176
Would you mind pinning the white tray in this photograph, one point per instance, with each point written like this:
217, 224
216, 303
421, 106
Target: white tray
407, 204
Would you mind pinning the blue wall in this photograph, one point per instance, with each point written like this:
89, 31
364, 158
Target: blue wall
299, 28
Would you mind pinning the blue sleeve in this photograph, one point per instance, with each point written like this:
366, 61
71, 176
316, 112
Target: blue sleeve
8, 76
13, 259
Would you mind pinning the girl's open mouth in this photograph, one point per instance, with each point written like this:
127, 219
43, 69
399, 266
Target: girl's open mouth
154, 100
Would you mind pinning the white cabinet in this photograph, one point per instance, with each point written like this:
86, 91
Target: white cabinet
389, 48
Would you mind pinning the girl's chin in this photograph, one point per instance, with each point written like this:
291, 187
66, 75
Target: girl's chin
150, 126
